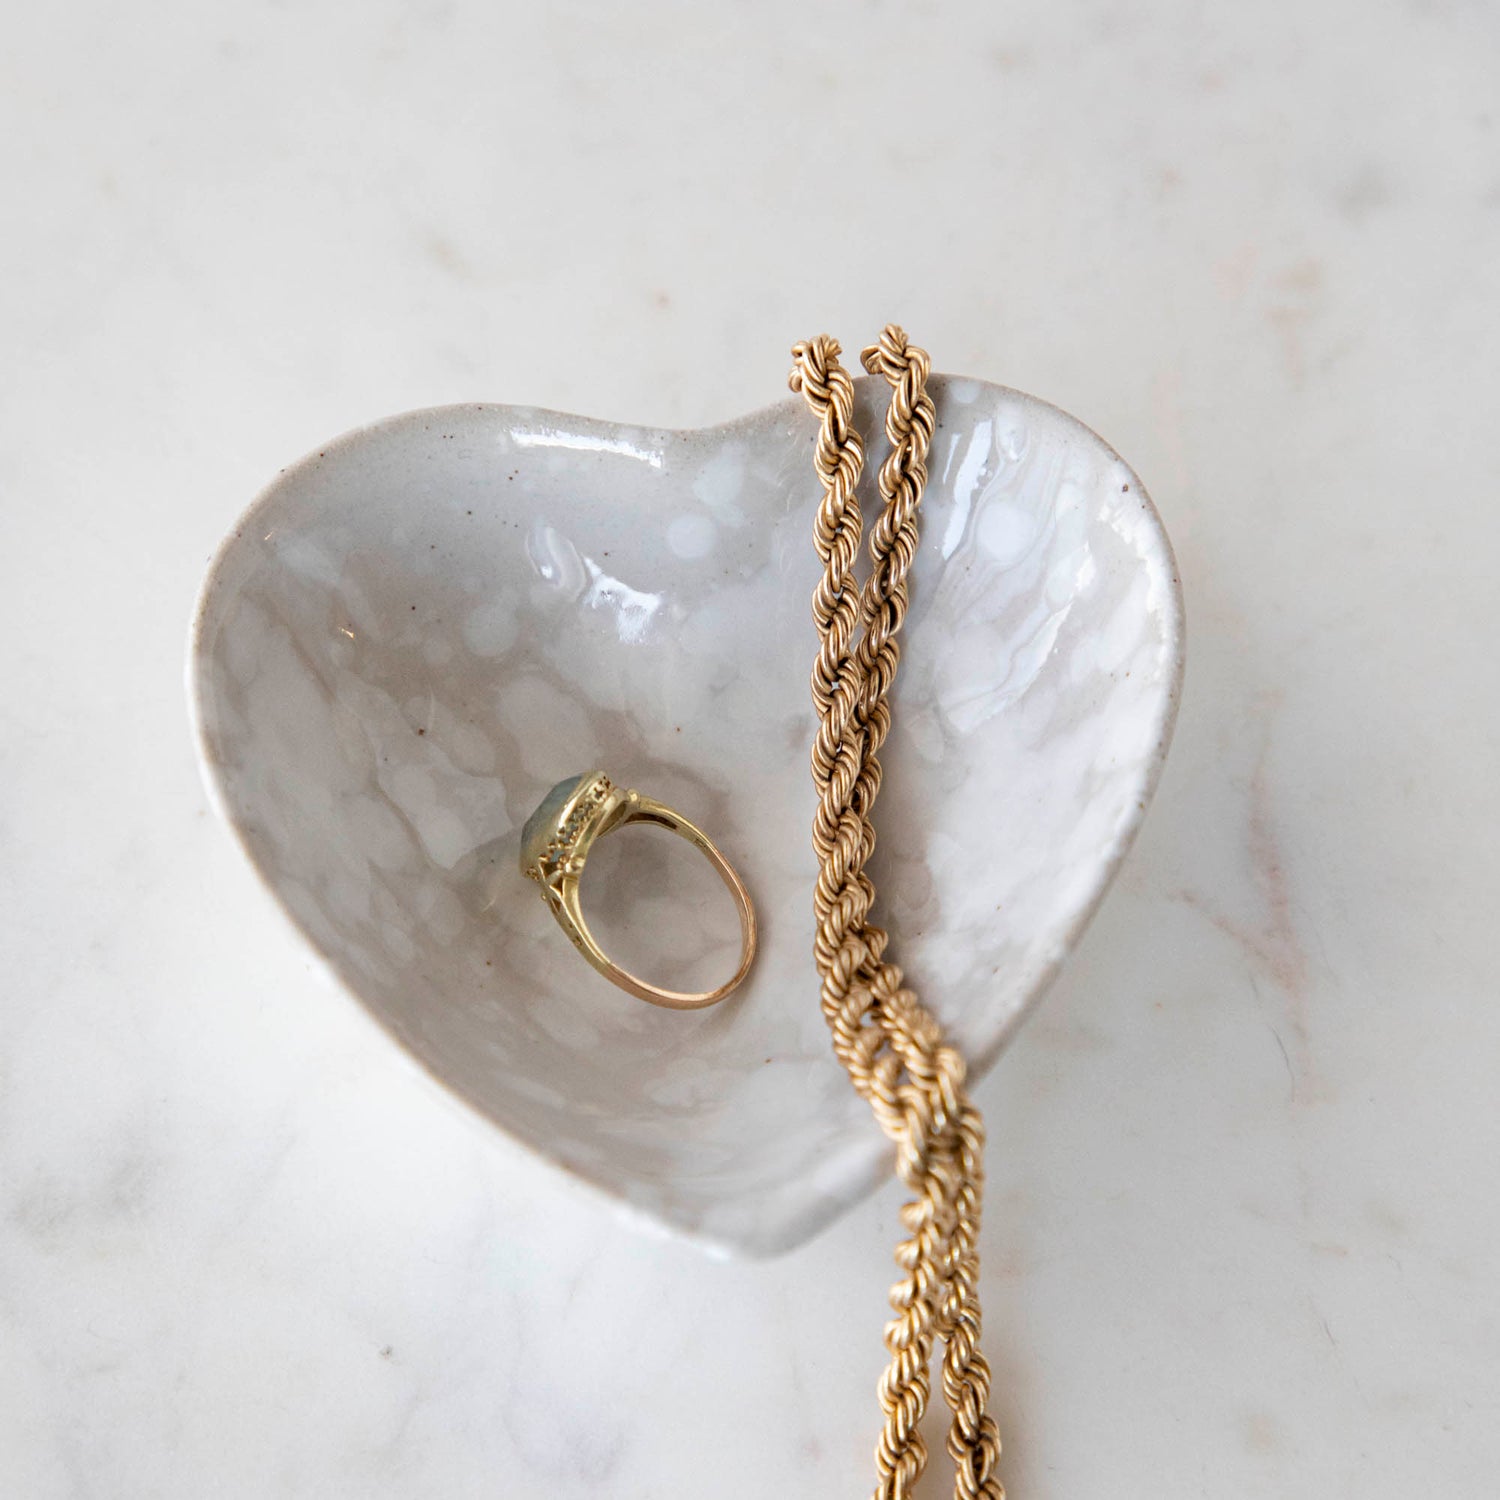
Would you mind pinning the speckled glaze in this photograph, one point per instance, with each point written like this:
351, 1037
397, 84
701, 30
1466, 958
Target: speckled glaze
417, 631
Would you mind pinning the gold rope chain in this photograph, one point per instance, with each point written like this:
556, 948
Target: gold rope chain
892, 1047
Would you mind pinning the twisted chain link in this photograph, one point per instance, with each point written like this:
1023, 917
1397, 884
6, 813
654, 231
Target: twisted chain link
891, 1046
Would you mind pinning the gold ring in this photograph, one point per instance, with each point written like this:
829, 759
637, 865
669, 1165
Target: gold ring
556, 841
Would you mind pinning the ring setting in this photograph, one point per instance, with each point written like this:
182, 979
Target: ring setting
555, 845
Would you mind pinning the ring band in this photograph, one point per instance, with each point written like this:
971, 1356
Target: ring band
555, 844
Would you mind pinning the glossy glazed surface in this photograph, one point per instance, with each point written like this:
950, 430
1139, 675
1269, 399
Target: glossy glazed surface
416, 631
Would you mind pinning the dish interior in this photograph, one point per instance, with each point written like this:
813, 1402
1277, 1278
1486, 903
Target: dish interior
417, 632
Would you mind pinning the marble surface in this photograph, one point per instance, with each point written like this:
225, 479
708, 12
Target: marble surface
412, 632
1242, 1187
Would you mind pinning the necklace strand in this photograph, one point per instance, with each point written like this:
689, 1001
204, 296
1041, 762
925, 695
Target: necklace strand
891, 1046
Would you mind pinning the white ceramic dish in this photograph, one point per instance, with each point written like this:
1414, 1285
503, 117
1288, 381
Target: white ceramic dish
414, 632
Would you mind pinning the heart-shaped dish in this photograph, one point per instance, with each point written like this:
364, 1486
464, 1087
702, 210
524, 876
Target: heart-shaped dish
416, 631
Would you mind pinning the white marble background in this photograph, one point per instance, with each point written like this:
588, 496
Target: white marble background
1243, 1163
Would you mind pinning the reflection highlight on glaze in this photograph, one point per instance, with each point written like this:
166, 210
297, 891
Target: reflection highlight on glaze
587, 442
633, 609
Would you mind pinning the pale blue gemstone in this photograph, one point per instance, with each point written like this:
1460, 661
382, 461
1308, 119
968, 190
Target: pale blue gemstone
539, 827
